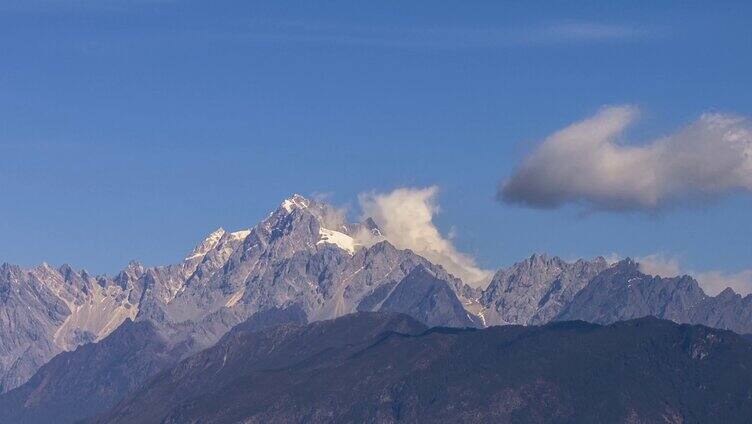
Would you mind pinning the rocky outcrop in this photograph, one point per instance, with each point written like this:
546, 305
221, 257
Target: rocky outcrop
535, 290
623, 292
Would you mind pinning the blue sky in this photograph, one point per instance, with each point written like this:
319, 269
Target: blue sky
130, 129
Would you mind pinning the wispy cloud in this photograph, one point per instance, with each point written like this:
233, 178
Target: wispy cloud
436, 37
585, 32
457, 37
660, 264
381, 35
406, 216
586, 163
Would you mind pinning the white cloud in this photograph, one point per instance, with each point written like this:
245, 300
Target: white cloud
660, 265
406, 216
452, 37
612, 258
585, 31
712, 282
587, 164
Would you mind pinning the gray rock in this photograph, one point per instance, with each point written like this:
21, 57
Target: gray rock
623, 292
728, 310
535, 290
428, 299
30, 314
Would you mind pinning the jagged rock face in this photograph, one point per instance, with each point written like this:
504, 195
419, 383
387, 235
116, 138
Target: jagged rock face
302, 254
542, 288
728, 310
623, 292
535, 290
293, 258
45, 311
30, 313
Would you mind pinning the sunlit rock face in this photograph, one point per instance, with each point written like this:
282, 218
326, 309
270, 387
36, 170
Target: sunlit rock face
536, 290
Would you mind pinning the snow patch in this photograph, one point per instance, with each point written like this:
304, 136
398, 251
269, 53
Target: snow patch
341, 240
240, 234
296, 201
208, 244
235, 298
99, 314
482, 317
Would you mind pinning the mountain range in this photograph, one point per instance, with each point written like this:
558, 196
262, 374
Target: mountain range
301, 264
290, 258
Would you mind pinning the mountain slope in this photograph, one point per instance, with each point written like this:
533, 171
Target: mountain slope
214, 377
727, 310
382, 368
44, 311
535, 290
624, 292
30, 313
300, 255
81, 383
428, 299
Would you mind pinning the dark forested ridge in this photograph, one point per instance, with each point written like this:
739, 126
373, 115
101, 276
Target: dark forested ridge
376, 367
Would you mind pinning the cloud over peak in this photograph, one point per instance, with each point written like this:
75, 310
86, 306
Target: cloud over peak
587, 164
406, 216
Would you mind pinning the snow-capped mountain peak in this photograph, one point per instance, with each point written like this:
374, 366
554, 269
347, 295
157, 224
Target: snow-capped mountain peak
240, 234
209, 243
295, 201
